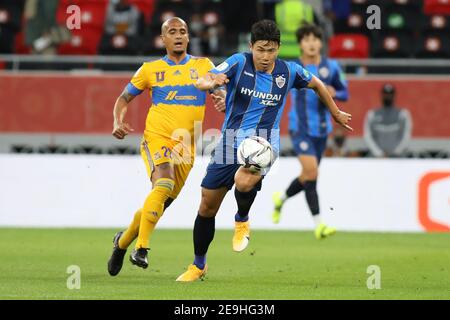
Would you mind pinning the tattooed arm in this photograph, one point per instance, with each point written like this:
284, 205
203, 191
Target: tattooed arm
121, 128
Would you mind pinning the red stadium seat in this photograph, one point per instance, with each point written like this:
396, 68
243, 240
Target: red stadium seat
349, 46
20, 46
83, 42
437, 7
93, 12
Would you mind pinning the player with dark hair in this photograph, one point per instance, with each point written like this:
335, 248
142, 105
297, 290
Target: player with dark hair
257, 85
310, 124
167, 147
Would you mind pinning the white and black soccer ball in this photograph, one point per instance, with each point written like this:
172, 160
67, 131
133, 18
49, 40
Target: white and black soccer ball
255, 153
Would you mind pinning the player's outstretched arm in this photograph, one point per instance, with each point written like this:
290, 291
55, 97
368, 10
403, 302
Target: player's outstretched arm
339, 116
211, 81
121, 128
219, 96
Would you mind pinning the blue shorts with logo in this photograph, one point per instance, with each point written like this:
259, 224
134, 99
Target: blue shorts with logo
305, 144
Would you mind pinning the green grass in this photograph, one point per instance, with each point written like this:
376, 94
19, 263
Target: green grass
277, 265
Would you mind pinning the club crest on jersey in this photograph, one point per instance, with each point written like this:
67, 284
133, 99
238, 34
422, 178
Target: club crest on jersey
280, 81
160, 76
194, 74
324, 72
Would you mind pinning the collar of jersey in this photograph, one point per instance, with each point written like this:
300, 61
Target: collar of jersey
171, 63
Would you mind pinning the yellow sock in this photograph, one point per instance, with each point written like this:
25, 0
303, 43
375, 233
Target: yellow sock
132, 232
153, 210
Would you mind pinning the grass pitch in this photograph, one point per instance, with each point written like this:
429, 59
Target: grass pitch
276, 265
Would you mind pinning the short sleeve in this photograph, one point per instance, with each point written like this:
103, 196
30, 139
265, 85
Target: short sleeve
302, 77
207, 66
230, 66
139, 82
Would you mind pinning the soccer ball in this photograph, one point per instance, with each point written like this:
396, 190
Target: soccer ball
255, 153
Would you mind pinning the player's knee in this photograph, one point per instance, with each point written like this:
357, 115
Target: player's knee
244, 184
310, 174
163, 170
207, 208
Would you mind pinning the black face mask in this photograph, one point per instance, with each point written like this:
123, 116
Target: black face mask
339, 141
388, 102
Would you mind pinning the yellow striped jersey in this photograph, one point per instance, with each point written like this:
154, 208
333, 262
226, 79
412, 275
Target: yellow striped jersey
176, 103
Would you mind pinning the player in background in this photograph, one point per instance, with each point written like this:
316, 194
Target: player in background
257, 85
168, 145
310, 124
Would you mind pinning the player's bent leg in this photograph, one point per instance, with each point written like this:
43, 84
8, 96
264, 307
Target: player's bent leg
152, 210
116, 260
279, 198
309, 178
132, 232
204, 229
121, 242
247, 186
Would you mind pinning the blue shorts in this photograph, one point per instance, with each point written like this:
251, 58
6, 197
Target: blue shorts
222, 175
305, 144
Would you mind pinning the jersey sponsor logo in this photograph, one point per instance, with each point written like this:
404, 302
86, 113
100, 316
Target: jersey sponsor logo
280, 81
172, 95
223, 66
324, 72
160, 76
267, 99
249, 74
177, 73
194, 74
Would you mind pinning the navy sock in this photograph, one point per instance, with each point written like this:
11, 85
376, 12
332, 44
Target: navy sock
311, 196
200, 261
204, 229
244, 202
295, 187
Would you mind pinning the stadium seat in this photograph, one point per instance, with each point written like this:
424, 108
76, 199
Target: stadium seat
146, 7
435, 23
20, 46
83, 42
93, 13
349, 46
10, 24
400, 18
167, 9
433, 46
437, 7
355, 23
392, 45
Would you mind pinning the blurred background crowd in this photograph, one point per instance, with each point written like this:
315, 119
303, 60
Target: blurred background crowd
393, 118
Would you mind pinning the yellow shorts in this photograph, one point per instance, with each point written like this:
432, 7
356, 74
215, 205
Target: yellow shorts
157, 150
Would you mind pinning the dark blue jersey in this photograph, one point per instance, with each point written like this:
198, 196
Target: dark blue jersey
308, 114
255, 100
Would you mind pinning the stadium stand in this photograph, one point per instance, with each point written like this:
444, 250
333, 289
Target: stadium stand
349, 46
416, 29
